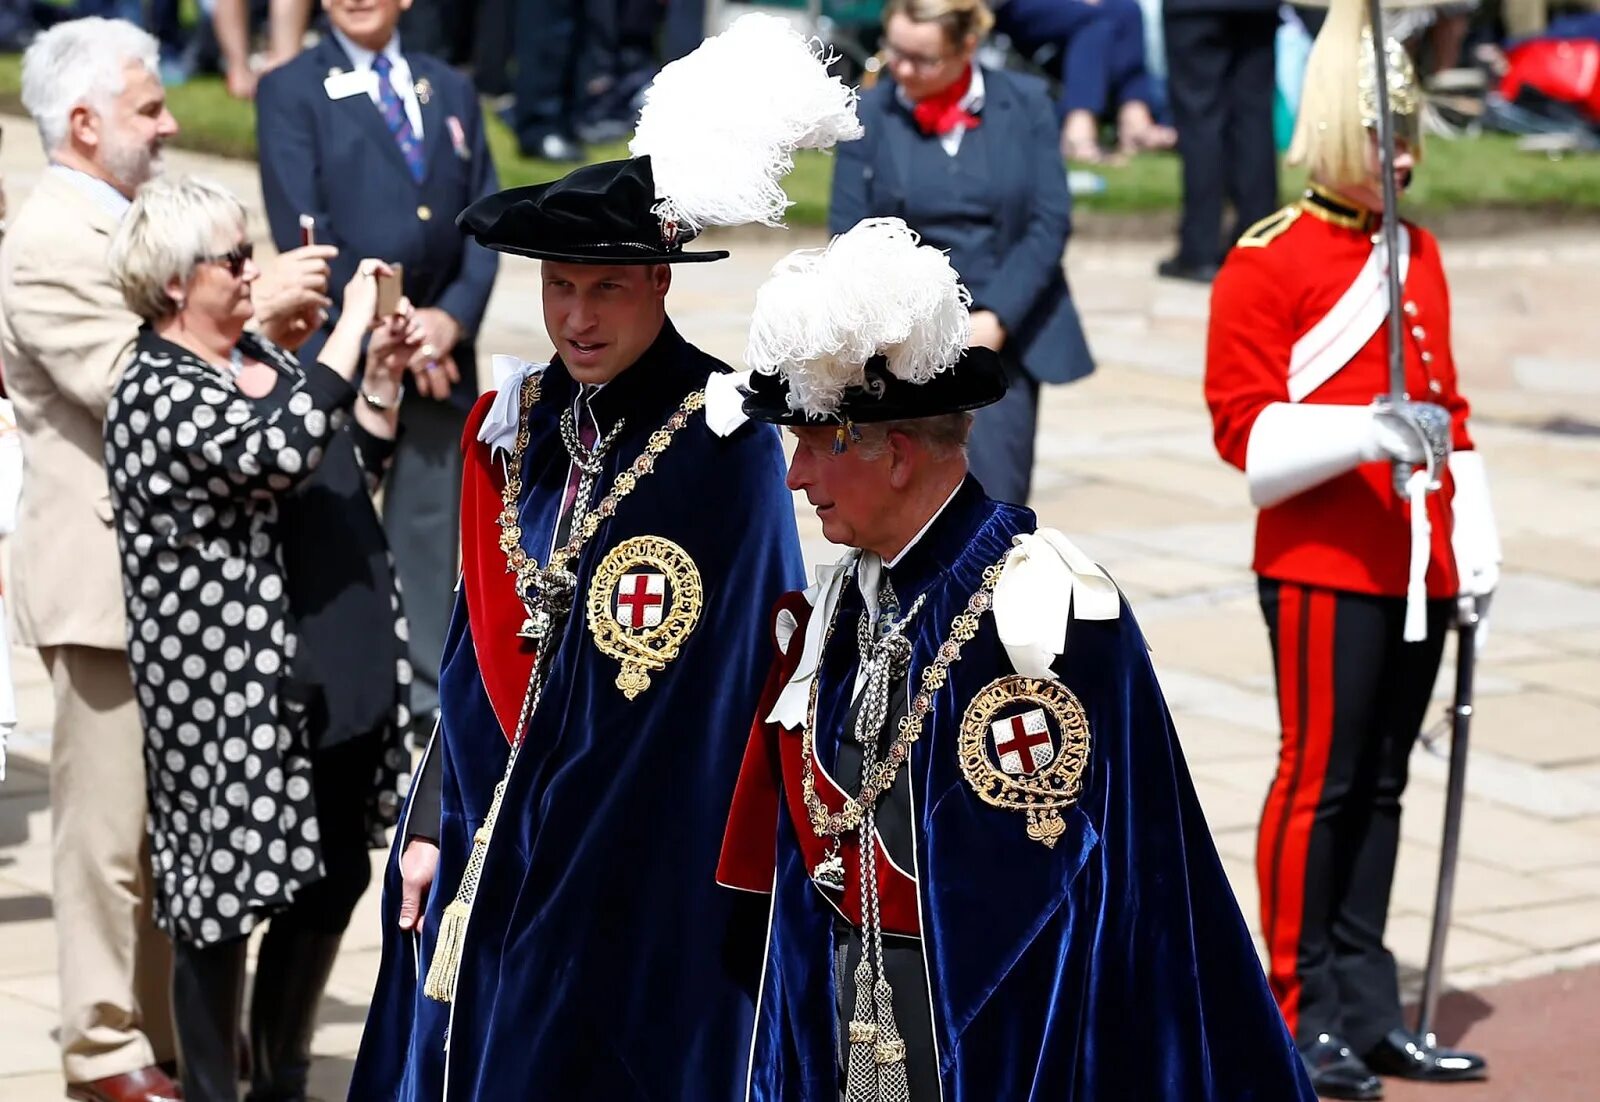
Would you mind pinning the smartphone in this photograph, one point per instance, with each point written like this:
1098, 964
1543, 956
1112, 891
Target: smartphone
390, 290
308, 230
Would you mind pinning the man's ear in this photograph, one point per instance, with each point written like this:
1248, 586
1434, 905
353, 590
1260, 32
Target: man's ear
83, 126
905, 456
662, 279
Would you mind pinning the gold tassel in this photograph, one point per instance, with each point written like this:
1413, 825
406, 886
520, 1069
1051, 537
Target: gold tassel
445, 968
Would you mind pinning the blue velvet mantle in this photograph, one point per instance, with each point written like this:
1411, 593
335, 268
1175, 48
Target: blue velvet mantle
601, 960
1114, 966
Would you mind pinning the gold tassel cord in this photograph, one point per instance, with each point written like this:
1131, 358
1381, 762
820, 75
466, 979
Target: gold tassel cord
445, 968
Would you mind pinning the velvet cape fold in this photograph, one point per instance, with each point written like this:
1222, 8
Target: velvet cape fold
1114, 965
601, 960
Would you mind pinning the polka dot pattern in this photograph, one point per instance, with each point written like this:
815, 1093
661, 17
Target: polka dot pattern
195, 466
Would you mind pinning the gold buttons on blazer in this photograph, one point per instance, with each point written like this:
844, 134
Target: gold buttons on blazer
424, 213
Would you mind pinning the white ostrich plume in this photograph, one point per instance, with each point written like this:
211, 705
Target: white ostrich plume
721, 124
873, 291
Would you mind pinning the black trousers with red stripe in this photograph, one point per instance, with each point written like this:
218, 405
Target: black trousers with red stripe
1352, 696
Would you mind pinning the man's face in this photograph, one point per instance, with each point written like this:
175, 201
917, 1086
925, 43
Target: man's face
851, 490
131, 134
368, 23
602, 318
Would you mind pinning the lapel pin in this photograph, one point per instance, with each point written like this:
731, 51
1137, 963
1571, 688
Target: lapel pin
424, 91
458, 138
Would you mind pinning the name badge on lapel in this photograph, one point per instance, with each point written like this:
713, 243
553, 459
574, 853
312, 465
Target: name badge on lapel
359, 82
458, 138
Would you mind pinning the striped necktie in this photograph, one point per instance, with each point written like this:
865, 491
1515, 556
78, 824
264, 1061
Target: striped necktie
394, 117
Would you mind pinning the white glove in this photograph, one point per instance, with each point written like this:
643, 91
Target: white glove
1295, 446
1475, 539
1391, 437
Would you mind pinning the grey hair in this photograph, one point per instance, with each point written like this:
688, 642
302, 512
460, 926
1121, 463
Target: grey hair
81, 62
945, 436
171, 226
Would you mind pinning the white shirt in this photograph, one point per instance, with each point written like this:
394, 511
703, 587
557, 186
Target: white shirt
971, 103
399, 75
100, 193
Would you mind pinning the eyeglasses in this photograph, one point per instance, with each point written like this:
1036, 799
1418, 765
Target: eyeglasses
234, 260
894, 55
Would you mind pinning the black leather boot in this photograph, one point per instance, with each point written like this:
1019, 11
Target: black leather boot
1336, 1072
292, 970
207, 985
1404, 1055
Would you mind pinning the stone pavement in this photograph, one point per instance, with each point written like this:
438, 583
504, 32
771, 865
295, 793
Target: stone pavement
1126, 467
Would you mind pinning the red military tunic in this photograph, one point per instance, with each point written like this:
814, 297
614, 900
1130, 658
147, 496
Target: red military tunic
1351, 532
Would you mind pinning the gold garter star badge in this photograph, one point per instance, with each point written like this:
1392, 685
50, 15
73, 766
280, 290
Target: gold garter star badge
1024, 746
644, 601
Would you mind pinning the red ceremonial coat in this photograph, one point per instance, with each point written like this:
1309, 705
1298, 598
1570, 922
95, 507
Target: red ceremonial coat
1285, 275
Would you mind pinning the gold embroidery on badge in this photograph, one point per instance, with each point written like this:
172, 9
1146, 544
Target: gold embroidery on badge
1024, 746
644, 601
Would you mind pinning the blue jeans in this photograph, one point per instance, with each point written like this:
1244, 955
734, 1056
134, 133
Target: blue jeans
1101, 47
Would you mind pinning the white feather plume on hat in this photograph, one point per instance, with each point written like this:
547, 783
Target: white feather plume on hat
873, 291
721, 124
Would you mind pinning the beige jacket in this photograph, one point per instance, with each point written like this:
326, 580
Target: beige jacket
64, 338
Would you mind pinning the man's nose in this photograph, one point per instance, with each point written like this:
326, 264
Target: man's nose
799, 474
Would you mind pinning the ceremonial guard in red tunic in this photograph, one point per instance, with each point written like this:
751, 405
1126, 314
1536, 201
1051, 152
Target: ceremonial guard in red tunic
624, 531
1358, 579
1037, 911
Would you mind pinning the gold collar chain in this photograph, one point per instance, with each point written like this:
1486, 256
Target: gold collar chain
518, 561
833, 824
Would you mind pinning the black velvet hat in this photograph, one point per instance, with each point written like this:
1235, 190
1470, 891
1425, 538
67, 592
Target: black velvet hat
976, 380
598, 214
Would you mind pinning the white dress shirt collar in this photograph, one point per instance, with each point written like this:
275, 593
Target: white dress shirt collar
98, 192
399, 74
937, 513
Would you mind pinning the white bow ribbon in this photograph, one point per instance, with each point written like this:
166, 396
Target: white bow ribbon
795, 699
725, 401
499, 428
1045, 581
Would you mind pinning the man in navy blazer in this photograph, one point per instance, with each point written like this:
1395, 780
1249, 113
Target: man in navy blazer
382, 149
999, 206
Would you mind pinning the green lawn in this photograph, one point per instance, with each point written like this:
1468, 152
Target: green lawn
1484, 173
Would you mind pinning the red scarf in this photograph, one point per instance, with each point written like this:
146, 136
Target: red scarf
942, 112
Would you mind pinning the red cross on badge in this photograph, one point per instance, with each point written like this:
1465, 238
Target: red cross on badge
1024, 743
640, 600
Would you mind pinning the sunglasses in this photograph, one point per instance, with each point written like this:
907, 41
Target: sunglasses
234, 260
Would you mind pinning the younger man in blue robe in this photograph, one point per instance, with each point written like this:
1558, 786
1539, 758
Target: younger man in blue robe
1041, 913
624, 531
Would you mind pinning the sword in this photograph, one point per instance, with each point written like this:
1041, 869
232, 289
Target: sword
1389, 227
1469, 612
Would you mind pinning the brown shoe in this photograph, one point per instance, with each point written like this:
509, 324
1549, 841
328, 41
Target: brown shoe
145, 1085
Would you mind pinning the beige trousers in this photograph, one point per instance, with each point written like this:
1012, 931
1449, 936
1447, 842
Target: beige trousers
115, 966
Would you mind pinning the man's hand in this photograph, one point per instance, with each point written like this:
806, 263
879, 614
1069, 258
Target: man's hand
291, 294
987, 330
434, 363
419, 863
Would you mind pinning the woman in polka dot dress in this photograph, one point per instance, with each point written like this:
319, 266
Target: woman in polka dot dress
208, 433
